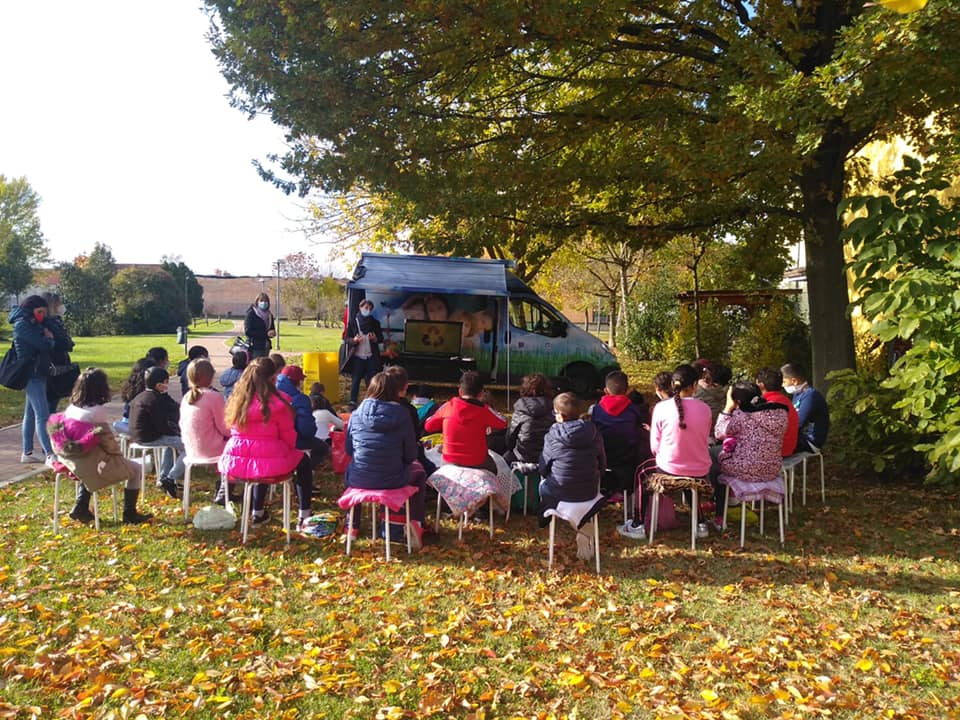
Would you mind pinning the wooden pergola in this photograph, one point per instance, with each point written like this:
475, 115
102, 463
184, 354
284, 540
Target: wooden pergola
749, 299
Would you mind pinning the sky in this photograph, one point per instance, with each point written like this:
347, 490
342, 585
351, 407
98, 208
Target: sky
116, 113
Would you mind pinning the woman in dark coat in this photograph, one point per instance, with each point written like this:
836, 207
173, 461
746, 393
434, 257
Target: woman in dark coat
62, 385
258, 326
34, 342
365, 336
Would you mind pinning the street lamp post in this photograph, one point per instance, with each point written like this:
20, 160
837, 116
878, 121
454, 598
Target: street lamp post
278, 264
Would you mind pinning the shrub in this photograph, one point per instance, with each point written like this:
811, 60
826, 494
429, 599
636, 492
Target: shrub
717, 325
867, 432
771, 337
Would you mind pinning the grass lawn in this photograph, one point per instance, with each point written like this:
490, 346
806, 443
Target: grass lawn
858, 617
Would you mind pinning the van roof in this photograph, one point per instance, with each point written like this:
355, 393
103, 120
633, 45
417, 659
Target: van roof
430, 273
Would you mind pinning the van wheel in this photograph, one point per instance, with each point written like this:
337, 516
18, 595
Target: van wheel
584, 379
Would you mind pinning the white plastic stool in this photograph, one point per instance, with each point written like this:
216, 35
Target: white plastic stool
464, 518
188, 464
387, 539
247, 503
133, 449
596, 540
96, 506
743, 517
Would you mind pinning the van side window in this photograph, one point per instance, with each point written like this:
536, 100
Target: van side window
534, 318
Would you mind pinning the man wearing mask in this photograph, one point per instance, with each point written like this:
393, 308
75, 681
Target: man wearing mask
812, 411
366, 336
155, 421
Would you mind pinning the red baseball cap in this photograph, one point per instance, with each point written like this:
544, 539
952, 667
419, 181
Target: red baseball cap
293, 372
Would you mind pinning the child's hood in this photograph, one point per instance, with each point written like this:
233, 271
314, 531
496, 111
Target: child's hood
71, 437
576, 433
615, 404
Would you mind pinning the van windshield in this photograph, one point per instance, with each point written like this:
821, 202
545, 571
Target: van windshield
535, 318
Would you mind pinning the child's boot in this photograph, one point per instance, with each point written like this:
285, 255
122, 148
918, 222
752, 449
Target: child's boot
81, 510
130, 514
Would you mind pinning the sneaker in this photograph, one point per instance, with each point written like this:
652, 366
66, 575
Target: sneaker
30, 459
634, 532
584, 546
717, 524
354, 533
259, 519
50, 461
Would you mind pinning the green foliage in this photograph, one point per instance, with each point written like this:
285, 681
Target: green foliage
771, 337
87, 292
907, 270
652, 315
717, 328
21, 240
146, 301
867, 430
186, 282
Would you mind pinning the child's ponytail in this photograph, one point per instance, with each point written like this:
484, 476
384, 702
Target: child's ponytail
684, 377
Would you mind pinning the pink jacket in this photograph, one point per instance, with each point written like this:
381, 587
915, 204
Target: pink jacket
681, 452
202, 427
262, 449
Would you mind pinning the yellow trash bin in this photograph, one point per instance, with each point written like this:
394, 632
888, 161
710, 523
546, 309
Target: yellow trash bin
322, 367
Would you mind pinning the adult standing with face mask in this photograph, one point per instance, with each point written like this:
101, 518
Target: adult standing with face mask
366, 336
258, 326
33, 340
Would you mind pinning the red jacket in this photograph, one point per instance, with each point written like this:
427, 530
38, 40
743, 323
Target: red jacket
793, 421
464, 424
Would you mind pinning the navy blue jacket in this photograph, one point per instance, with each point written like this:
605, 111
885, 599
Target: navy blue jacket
621, 423
382, 443
30, 342
304, 421
814, 418
572, 460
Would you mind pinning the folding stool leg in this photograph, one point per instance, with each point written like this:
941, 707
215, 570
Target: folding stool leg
553, 530
386, 528
743, 524
804, 496
186, 491
626, 506
694, 509
286, 509
373, 532
96, 511
463, 524
349, 527
245, 518
780, 508
409, 529
596, 540
436, 525
726, 506
491, 517
113, 492
654, 516
56, 503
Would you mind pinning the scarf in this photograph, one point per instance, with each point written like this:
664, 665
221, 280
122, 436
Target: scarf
263, 315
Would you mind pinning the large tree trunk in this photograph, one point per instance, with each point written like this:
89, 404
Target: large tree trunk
831, 333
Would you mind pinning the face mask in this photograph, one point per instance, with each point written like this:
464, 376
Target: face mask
263, 305
790, 389
365, 312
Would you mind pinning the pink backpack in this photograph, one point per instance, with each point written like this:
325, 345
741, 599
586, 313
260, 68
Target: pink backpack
666, 518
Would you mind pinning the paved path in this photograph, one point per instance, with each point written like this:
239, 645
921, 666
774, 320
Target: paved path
11, 469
